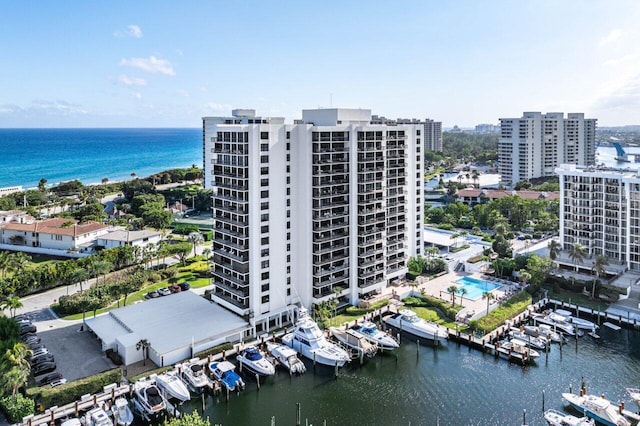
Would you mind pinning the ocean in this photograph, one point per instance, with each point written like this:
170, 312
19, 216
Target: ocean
59, 155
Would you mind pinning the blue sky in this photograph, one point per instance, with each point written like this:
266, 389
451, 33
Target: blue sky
167, 64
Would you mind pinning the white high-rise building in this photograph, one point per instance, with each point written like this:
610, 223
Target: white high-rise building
534, 145
432, 136
600, 210
330, 205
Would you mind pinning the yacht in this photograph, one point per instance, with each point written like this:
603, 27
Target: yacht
254, 360
225, 372
355, 342
597, 408
410, 322
310, 342
173, 387
578, 322
286, 357
556, 418
147, 400
97, 417
634, 393
122, 412
373, 334
557, 321
192, 374
543, 330
533, 342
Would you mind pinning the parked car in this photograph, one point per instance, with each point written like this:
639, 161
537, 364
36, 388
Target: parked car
27, 328
42, 359
58, 382
30, 338
21, 317
45, 367
22, 321
164, 291
45, 380
36, 346
175, 288
184, 286
39, 352
151, 295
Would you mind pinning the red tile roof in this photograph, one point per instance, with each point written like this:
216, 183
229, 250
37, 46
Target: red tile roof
55, 226
501, 193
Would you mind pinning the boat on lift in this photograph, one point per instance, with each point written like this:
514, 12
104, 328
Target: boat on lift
122, 412
225, 372
147, 400
597, 408
409, 321
193, 375
539, 343
373, 334
578, 322
173, 387
253, 359
97, 417
355, 341
287, 357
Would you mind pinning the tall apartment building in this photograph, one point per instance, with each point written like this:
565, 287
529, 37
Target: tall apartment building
534, 145
600, 209
331, 205
432, 129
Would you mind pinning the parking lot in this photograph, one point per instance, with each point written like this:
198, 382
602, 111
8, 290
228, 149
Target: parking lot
77, 353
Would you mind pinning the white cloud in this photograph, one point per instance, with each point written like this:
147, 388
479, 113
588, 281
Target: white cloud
183, 93
150, 64
40, 107
131, 31
611, 37
130, 81
136, 96
215, 107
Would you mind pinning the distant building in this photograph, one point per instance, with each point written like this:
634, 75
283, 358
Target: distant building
487, 128
432, 133
536, 144
474, 196
328, 207
122, 238
10, 190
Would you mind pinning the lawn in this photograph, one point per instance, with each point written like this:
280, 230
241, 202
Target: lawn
577, 299
431, 314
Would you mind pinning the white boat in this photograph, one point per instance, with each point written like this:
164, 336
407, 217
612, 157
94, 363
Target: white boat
254, 360
148, 401
558, 322
578, 322
410, 322
597, 408
310, 342
542, 330
520, 347
556, 418
173, 387
634, 393
531, 341
122, 412
192, 374
71, 422
224, 371
355, 341
97, 417
373, 334
287, 357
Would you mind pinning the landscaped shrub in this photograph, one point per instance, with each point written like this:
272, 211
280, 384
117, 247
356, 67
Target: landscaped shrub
72, 391
215, 350
353, 310
507, 310
185, 229
442, 305
18, 407
208, 235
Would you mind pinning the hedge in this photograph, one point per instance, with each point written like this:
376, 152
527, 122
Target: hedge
505, 311
185, 229
426, 300
215, 350
17, 408
69, 392
353, 310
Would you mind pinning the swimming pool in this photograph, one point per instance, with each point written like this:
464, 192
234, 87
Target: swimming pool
475, 287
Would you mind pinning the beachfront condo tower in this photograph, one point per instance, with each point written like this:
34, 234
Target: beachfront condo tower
535, 144
329, 206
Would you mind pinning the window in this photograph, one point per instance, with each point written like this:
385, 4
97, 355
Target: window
265, 275
418, 132
264, 229
288, 180
288, 247
265, 299
264, 194
288, 202
264, 205
264, 252
288, 157
288, 225
264, 147
264, 264
288, 145
264, 135
288, 269
288, 169
264, 182
288, 258
288, 136
264, 159
288, 236
265, 287
264, 217
264, 241
288, 292
288, 191
264, 170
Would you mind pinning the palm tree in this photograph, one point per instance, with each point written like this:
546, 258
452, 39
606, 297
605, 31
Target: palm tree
79, 276
42, 185
554, 249
452, 289
105, 180
489, 296
13, 378
525, 276
577, 253
101, 267
5, 262
462, 292
454, 237
12, 303
144, 345
475, 175
206, 253
598, 268
195, 238
17, 356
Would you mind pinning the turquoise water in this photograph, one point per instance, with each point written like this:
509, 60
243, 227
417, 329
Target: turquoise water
476, 287
90, 155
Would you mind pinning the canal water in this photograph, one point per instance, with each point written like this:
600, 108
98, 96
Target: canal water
448, 385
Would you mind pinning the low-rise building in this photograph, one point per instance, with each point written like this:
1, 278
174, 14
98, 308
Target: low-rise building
474, 196
121, 238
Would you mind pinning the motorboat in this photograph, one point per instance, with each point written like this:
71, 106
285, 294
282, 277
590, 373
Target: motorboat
543, 330
310, 342
148, 401
634, 393
287, 357
517, 351
122, 412
578, 322
557, 321
173, 387
373, 334
71, 422
597, 408
531, 341
409, 321
355, 341
520, 346
557, 418
193, 375
97, 417
254, 360
224, 371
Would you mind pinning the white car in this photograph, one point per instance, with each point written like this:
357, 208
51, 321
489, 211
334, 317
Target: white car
58, 382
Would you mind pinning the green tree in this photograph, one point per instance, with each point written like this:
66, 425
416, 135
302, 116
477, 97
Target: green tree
489, 296
42, 185
577, 253
598, 268
462, 292
79, 276
157, 218
13, 378
192, 419
101, 267
12, 303
195, 238
452, 289
17, 356
554, 249
144, 345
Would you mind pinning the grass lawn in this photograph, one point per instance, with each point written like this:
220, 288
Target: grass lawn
577, 299
184, 274
431, 314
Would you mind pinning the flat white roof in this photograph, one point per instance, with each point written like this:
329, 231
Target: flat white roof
439, 238
127, 236
170, 322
